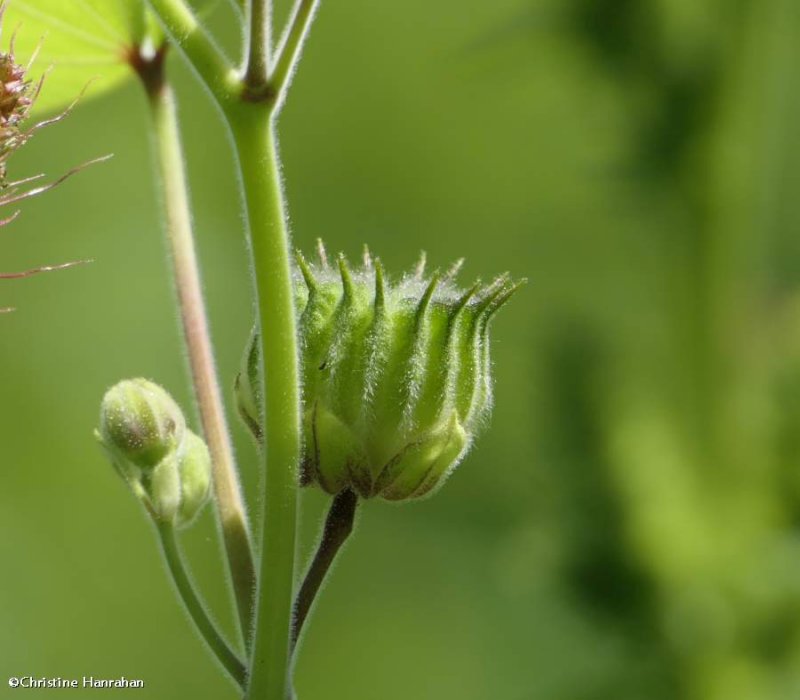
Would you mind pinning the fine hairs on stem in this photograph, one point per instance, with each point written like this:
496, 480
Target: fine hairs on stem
197, 337
337, 528
249, 112
397, 371
195, 607
445, 386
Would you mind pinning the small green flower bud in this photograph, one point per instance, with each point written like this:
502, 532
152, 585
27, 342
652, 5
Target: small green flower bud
140, 423
165, 464
396, 377
195, 479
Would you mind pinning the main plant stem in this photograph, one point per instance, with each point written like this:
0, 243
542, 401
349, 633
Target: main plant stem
258, 160
196, 333
249, 110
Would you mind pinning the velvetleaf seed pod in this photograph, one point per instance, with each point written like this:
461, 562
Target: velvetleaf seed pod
396, 377
166, 465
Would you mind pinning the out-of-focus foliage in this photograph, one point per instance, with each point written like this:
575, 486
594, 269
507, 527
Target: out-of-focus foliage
79, 41
627, 527
86, 44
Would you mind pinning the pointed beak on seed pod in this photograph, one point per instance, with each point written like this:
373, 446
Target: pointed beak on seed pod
167, 466
396, 376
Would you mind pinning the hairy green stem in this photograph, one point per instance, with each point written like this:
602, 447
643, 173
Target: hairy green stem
258, 161
250, 118
258, 46
291, 46
338, 526
194, 606
186, 271
205, 56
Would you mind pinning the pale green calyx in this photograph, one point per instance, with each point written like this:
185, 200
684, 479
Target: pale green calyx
396, 377
194, 472
167, 466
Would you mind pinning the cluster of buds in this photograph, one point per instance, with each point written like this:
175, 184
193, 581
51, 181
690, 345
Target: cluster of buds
396, 377
166, 465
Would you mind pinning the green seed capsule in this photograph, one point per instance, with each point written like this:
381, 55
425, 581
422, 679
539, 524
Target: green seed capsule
166, 465
396, 377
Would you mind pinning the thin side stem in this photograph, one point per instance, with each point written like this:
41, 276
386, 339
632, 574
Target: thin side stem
337, 528
239, 6
258, 161
186, 271
39, 270
291, 46
205, 56
13, 197
194, 606
258, 46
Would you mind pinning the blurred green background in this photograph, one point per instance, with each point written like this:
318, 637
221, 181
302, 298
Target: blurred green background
629, 524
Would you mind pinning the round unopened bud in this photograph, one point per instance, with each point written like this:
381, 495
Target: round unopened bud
140, 423
194, 472
165, 464
396, 377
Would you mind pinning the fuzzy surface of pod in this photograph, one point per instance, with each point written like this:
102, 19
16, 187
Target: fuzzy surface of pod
168, 467
396, 375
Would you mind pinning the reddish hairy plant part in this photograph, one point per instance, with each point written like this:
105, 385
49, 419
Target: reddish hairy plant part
18, 94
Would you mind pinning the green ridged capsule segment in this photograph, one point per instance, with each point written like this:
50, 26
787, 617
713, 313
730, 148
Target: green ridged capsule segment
166, 465
396, 376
